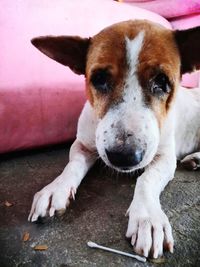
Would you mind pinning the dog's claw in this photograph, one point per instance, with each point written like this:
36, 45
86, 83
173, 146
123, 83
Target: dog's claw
170, 247
73, 192
34, 217
51, 211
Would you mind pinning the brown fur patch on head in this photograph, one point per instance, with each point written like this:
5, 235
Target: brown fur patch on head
108, 51
159, 55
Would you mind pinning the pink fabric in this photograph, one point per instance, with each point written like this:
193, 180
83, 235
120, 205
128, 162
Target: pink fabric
186, 22
168, 8
40, 100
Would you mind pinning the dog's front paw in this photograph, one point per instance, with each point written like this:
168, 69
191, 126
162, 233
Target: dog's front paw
53, 197
149, 231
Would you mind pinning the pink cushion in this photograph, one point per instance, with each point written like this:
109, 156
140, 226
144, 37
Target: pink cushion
41, 99
186, 22
168, 8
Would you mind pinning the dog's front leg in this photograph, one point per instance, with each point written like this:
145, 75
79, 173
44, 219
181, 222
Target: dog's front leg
149, 227
56, 195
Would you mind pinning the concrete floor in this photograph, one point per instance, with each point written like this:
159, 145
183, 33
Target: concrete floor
97, 215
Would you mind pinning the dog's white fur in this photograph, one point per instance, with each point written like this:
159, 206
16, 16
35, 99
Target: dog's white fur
179, 136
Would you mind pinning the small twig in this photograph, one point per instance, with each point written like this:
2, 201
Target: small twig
94, 245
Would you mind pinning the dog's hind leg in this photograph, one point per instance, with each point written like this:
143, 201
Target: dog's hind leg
191, 161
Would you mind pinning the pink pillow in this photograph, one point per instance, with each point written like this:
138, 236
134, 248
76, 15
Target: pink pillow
168, 8
41, 99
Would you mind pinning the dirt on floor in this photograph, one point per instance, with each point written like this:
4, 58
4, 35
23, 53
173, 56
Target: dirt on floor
98, 214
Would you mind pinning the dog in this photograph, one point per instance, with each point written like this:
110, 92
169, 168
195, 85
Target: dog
137, 116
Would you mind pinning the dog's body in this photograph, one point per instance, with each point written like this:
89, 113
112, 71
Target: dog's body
135, 117
187, 125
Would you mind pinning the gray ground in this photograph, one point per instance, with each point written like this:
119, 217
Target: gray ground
97, 215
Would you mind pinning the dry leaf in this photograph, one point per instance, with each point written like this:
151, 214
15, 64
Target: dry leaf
41, 247
158, 260
8, 204
26, 236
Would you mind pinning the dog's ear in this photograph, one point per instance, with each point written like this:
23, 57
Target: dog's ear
188, 42
67, 50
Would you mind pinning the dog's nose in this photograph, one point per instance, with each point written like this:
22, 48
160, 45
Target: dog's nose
125, 158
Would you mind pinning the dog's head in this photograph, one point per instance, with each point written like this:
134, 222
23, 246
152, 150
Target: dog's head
132, 72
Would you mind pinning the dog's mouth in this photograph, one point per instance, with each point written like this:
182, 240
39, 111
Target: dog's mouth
126, 170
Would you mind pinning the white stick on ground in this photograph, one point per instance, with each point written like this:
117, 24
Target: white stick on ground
94, 245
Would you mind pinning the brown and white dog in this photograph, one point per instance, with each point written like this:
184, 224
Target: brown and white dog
136, 117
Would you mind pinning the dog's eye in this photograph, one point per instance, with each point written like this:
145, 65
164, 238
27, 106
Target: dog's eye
101, 80
160, 85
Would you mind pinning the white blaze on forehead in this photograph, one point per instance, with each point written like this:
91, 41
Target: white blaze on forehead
133, 48
133, 90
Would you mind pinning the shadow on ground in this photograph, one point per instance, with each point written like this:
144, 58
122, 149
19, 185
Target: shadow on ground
98, 214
